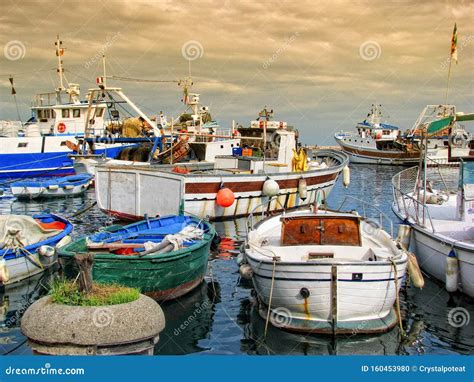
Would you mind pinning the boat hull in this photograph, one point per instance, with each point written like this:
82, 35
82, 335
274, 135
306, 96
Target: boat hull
162, 277
125, 191
65, 187
368, 154
371, 155
21, 266
42, 156
359, 306
161, 280
432, 251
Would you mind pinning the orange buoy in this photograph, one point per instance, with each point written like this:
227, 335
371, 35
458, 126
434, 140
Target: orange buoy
225, 197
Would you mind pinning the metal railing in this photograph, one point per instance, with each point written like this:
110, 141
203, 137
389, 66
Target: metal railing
409, 198
366, 206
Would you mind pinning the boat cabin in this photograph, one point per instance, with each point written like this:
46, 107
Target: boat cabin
278, 156
52, 116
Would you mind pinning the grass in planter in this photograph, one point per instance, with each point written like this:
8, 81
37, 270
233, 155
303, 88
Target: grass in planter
67, 292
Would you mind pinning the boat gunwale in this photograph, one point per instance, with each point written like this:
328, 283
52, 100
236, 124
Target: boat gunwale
175, 254
9, 255
340, 156
398, 261
434, 235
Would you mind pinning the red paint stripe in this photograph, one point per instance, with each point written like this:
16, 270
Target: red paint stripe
172, 293
246, 186
381, 154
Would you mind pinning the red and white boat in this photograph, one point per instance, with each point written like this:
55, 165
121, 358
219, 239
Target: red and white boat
229, 187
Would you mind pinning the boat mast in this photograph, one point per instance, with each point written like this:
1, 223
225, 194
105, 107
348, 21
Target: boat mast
60, 69
105, 75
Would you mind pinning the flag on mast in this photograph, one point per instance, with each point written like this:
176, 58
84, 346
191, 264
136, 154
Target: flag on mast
454, 44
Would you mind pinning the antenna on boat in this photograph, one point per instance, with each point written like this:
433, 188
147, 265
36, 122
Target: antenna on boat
60, 69
105, 75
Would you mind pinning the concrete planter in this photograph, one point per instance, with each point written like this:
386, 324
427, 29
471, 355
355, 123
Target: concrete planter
56, 329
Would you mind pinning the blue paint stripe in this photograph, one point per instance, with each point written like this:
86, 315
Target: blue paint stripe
327, 280
23, 165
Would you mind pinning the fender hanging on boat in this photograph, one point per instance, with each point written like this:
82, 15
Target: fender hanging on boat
452, 270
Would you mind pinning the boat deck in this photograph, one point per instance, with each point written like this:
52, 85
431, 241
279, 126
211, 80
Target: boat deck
267, 243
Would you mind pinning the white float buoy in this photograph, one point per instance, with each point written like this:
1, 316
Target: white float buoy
245, 271
4, 273
404, 236
416, 276
270, 188
46, 250
346, 176
452, 272
302, 188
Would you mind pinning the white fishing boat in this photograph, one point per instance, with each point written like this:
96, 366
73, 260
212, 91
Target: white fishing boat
41, 146
27, 244
63, 187
231, 186
191, 137
441, 217
379, 143
325, 272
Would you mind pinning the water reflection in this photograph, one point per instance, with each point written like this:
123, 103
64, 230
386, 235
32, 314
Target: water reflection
219, 318
189, 320
14, 300
282, 342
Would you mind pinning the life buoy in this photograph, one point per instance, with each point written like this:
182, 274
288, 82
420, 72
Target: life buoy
61, 127
281, 125
261, 124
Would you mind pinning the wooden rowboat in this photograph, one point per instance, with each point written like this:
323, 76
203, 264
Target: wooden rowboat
144, 255
27, 244
73, 185
325, 272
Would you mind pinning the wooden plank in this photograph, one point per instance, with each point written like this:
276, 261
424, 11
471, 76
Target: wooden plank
321, 230
113, 246
341, 231
300, 231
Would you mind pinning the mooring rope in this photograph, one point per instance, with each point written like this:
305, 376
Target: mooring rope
85, 209
397, 298
270, 299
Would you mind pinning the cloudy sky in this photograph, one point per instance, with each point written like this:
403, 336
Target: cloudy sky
318, 64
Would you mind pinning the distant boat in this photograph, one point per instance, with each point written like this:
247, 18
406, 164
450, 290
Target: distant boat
165, 258
325, 272
379, 143
67, 186
27, 244
191, 137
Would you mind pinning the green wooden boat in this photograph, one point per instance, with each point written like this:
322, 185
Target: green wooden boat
138, 255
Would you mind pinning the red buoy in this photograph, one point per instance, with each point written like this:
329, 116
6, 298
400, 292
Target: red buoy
225, 197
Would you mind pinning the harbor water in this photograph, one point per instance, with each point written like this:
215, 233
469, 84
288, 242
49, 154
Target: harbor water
219, 317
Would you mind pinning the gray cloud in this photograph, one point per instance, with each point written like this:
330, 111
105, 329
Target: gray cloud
316, 78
